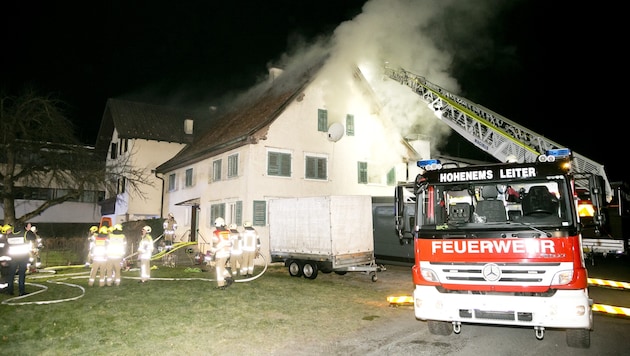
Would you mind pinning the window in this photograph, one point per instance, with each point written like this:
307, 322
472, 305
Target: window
113, 150
391, 177
316, 167
278, 164
232, 166
216, 170
189, 177
235, 215
122, 185
362, 172
216, 211
260, 213
349, 125
172, 182
322, 120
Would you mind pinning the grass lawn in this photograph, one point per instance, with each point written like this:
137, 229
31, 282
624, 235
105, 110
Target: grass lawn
180, 312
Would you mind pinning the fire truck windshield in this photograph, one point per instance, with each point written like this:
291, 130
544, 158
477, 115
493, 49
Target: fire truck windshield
545, 203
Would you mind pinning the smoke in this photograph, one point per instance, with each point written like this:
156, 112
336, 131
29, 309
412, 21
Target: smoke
421, 36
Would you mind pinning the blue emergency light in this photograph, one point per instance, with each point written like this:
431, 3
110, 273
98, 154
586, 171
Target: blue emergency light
553, 154
559, 152
429, 164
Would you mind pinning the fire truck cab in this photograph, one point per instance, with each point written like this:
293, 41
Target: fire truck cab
498, 244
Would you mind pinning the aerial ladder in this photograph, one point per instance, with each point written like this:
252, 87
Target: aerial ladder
503, 139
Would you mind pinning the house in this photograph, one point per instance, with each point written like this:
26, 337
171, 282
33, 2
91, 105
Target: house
133, 139
291, 136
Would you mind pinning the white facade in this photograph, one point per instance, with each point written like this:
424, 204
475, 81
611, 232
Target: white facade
144, 155
294, 132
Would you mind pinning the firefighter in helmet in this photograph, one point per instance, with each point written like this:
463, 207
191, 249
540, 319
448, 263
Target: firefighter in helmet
251, 247
4, 260
90, 239
145, 250
236, 253
116, 248
170, 225
221, 248
98, 256
19, 252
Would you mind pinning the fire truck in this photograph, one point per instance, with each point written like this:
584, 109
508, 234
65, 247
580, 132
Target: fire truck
605, 209
499, 243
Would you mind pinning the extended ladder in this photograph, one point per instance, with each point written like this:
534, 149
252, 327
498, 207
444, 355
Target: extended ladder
491, 132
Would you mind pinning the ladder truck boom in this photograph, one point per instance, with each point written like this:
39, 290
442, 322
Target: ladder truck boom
498, 136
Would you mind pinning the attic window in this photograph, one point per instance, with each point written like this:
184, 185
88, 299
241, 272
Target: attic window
322, 120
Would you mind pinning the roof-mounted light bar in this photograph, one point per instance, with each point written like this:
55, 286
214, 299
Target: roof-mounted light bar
429, 164
554, 154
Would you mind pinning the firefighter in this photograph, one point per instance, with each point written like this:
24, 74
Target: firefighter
221, 248
251, 247
236, 253
145, 250
170, 225
90, 239
36, 245
4, 260
98, 256
19, 252
116, 248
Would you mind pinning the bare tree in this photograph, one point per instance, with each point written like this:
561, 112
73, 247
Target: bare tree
38, 149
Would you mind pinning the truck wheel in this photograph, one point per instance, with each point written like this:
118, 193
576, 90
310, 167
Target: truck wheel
295, 268
309, 270
341, 273
579, 338
440, 327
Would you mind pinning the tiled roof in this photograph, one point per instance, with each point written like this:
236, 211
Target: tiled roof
247, 122
135, 120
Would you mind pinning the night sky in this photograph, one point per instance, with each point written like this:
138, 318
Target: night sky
544, 66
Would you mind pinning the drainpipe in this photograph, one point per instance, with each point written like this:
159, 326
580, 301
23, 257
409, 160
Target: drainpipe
161, 195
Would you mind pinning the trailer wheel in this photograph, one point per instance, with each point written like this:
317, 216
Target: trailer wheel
341, 273
373, 276
309, 270
440, 327
579, 338
295, 268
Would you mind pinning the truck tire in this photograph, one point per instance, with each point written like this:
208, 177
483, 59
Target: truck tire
309, 270
295, 268
578, 338
440, 327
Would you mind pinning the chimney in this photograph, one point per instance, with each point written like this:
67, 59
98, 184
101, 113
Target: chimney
274, 73
188, 126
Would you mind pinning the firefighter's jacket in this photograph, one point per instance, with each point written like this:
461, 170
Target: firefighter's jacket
4, 249
235, 238
145, 248
117, 245
19, 248
98, 248
250, 239
222, 243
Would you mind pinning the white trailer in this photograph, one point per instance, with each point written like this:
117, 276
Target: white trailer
324, 233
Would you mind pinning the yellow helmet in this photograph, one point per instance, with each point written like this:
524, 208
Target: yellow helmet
94, 229
247, 224
6, 228
117, 227
103, 230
